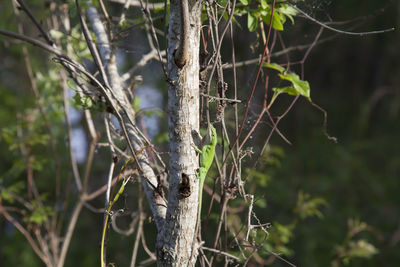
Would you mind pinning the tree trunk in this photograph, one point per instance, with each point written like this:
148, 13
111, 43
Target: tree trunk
175, 246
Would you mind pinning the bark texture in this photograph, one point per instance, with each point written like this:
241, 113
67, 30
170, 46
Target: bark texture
175, 242
176, 223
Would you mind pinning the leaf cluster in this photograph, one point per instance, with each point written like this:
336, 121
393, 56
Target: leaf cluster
261, 10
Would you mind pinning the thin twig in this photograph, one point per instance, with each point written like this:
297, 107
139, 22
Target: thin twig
270, 252
92, 48
70, 231
109, 179
218, 48
105, 13
146, 248
123, 13
131, 228
137, 240
125, 115
18, 198
34, 42
39, 99
26, 234
249, 226
112, 165
254, 85
271, 132
337, 30
225, 198
222, 253
100, 191
45, 35
146, 12
142, 62
212, 98
72, 159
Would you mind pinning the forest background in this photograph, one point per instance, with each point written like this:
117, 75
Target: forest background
356, 79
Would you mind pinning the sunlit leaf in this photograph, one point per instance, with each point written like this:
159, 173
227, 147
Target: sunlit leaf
288, 90
264, 4
275, 67
56, 34
277, 21
302, 87
251, 22
307, 206
288, 11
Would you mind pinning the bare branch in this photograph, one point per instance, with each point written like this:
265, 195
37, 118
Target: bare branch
222, 253
26, 234
45, 35
146, 12
337, 30
34, 42
74, 164
142, 62
125, 115
70, 231
213, 98
137, 239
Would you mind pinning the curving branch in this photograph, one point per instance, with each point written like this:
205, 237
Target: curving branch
26, 234
324, 25
127, 117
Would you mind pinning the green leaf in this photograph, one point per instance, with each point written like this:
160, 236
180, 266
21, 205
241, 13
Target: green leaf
288, 90
308, 207
225, 16
264, 4
87, 102
124, 24
95, 3
71, 84
56, 34
288, 11
6, 195
72, 9
40, 214
277, 21
356, 226
262, 178
251, 22
285, 232
136, 104
301, 87
275, 67
261, 203
77, 100
40, 162
161, 138
361, 249
245, 2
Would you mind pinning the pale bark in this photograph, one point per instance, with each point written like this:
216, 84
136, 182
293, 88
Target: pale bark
176, 225
156, 202
175, 242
